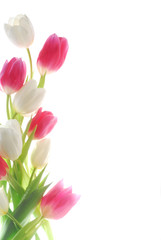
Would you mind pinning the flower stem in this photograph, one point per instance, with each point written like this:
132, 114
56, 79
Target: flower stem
14, 115
7, 106
14, 220
30, 60
26, 130
8, 162
32, 176
42, 81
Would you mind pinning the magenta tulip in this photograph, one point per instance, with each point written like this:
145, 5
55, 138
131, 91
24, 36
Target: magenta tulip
13, 75
58, 201
45, 122
3, 168
53, 54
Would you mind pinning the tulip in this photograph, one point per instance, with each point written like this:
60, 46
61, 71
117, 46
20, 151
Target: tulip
29, 98
40, 154
10, 140
58, 201
45, 122
20, 31
13, 75
52, 55
3, 168
4, 204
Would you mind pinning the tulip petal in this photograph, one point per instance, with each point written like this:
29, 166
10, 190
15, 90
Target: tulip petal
4, 205
58, 201
40, 154
29, 98
10, 140
52, 55
20, 31
64, 49
45, 122
3, 168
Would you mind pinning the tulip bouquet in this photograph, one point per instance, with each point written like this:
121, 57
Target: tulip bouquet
24, 205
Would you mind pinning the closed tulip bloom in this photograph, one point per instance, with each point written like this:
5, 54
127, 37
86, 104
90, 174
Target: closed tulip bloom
3, 168
58, 201
40, 154
29, 98
13, 75
45, 122
4, 204
53, 54
10, 140
20, 31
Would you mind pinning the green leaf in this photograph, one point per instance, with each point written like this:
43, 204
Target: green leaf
17, 171
15, 197
25, 176
37, 212
3, 184
5, 217
27, 146
15, 185
26, 165
43, 181
22, 212
47, 228
35, 183
37, 236
29, 230
19, 118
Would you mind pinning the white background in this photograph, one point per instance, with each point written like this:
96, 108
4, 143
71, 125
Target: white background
107, 97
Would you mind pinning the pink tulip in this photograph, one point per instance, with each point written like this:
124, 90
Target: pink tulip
13, 75
45, 122
58, 201
3, 168
53, 54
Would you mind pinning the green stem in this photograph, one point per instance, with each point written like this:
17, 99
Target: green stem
30, 60
26, 130
14, 220
7, 106
42, 81
32, 176
14, 115
8, 162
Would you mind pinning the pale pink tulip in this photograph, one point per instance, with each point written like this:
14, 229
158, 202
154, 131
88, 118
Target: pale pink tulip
58, 201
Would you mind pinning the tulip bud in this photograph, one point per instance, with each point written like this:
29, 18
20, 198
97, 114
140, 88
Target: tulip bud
3, 168
4, 204
10, 140
58, 201
20, 31
53, 54
45, 122
29, 98
13, 75
40, 154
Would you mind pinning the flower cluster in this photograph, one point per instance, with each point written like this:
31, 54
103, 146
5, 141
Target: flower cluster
24, 97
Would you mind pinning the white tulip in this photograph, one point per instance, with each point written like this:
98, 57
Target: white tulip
20, 31
29, 98
10, 140
4, 204
40, 154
